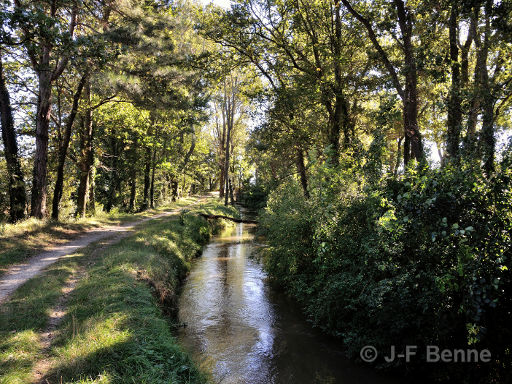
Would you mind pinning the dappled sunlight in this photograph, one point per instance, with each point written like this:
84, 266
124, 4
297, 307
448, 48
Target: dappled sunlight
36, 296
110, 320
150, 144
91, 336
18, 350
21, 240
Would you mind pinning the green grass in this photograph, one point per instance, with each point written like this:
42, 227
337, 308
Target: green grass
24, 239
115, 329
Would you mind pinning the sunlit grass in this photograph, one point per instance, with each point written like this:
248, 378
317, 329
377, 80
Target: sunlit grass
17, 354
21, 240
101, 379
23, 316
114, 330
96, 336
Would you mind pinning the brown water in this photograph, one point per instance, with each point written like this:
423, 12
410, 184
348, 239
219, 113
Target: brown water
242, 331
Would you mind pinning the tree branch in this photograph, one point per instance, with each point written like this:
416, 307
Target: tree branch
61, 65
378, 47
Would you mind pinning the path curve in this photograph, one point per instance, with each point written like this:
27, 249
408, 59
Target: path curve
18, 274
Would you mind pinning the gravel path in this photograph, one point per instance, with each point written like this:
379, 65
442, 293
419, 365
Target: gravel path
18, 274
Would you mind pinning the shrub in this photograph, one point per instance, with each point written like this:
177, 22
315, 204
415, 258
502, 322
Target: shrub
253, 196
418, 260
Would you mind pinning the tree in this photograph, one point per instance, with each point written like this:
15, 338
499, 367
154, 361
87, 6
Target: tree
304, 44
63, 147
17, 197
408, 88
49, 51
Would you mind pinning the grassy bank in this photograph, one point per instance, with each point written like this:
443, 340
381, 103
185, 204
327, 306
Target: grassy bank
114, 329
22, 240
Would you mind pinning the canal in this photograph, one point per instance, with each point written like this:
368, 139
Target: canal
240, 330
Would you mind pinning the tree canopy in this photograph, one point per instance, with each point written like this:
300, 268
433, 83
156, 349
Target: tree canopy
372, 131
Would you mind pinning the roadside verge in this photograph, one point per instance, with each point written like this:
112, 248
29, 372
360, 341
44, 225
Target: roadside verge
113, 328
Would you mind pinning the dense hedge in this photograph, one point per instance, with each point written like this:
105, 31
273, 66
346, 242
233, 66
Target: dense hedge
422, 259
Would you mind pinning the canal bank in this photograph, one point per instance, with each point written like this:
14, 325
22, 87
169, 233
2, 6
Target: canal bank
241, 330
99, 315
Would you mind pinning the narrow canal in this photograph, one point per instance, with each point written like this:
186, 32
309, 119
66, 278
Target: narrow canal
242, 331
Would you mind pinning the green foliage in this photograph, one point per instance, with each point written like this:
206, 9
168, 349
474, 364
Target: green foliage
422, 259
253, 196
288, 228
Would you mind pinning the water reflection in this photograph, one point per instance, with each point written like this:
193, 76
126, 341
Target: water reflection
243, 332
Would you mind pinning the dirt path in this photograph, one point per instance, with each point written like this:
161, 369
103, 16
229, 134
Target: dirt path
18, 274
49, 333
57, 313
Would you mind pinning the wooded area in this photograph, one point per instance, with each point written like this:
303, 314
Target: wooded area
106, 102
373, 135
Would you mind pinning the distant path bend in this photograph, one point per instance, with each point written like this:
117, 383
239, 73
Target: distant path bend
18, 274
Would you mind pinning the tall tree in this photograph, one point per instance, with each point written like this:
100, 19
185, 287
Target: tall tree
300, 42
454, 121
86, 153
48, 63
64, 145
17, 196
407, 88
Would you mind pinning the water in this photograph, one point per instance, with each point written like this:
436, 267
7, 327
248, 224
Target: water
242, 331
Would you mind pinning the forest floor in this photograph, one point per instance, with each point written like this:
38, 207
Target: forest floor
100, 314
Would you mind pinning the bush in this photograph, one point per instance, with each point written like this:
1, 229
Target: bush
253, 196
420, 260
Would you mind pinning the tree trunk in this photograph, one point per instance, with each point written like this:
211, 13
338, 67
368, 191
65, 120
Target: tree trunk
231, 196
174, 186
133, 178
63, 148
39, 177
487, 139
152, 189
482, 99
82, 191
398, 156
341, 119
221, 180
113, 174
413, 147
217, 217
301, 168
226, 167
464, 66
147, 177
133, 190
86, 160
17, 195
222, 157
454, 103
470, 139
91, 201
